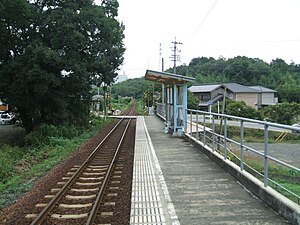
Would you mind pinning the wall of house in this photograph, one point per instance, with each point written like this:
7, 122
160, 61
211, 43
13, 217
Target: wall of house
215, 93
268, 99
249, 98
205, 97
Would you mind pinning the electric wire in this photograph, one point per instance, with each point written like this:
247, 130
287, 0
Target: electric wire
202, 21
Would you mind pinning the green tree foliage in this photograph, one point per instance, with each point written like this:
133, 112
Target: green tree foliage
51, 53
276, 75
134, 88
245, 70
239, 108
193, 101
289, 89
284, 113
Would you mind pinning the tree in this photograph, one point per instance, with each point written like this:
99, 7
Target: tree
239, 108
279, 65
289, 90
135, 88
111, 7
193, 101
245, 70
15, 20
284, 113
58, 51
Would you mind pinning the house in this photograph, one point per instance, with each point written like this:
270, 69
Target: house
208, 94
96, 100
121, 78
254, 96
266, 96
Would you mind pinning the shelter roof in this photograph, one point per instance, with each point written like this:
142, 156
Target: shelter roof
167, 78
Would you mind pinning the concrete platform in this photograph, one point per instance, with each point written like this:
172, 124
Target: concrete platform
199, 190
150, 200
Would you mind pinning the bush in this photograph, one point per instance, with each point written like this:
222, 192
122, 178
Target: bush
284, 113
8, 158
237, 108
193, 101
43, 134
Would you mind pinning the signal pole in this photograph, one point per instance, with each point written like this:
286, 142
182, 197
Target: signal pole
175, 57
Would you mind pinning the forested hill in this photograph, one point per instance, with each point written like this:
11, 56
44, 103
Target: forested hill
133, 88
277, 75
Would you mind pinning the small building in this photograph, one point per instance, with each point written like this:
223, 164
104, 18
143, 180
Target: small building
208, 94
254, 96
238, 92
266, 96
96, 102
121, 78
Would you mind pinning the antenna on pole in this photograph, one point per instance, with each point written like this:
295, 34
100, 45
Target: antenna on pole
174, 57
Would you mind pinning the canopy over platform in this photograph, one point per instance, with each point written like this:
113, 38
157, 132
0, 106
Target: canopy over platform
174, 99
167, 78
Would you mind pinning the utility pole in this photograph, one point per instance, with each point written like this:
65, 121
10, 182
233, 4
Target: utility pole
160, 57
161, 67
175, 57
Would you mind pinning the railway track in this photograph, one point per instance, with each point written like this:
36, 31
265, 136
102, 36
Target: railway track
91, 192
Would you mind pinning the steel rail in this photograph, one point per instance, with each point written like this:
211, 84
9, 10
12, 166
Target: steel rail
44, 213
96, 206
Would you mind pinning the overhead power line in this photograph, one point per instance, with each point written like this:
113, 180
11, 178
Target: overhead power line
203, 20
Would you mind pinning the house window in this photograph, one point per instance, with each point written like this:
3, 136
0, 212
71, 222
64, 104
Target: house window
204, 97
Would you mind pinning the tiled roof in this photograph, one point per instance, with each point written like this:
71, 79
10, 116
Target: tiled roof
238, 88
233, 87
204, 87
263, 89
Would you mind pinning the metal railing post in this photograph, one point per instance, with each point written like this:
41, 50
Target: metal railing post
225, 138
266, 136
213, 133
224, 135
197, 122
191, 119
185, 120
241, 146
204, 132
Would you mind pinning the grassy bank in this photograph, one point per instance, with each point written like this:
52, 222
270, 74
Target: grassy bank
254, 164
280, 175
21, 166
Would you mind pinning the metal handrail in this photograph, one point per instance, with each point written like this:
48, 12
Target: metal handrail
270, 124
264, 155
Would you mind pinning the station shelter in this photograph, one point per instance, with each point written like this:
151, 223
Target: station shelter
173, 105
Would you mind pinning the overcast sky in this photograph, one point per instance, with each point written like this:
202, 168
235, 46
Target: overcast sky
265, 29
